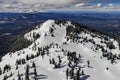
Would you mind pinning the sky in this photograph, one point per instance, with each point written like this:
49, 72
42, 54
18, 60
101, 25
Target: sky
25, 5
60, 1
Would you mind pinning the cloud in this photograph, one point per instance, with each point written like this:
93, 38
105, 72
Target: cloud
80, 5
99, 5
61, 2
42, 1
111, 5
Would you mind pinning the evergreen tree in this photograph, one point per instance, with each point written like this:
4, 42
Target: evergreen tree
34, 65
55, 65
59, 63
27, 73
35, 72
23, 61
78, 75
19, 77
82, 73
79, 56
16, 66
67, 73
72, 73
88, 63
7, 68
5, 77
50, 61
0, 59
0, 71
27, 57
107, 68
53, 61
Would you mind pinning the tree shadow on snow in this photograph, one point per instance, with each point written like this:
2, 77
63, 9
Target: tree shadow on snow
81, 60
31, 73
90, 67
63, 65
85, 77
42, 76
86, 66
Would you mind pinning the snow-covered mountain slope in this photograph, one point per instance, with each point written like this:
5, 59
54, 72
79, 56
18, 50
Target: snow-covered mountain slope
61, 50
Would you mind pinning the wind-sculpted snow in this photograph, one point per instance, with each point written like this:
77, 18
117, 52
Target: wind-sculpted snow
62, 50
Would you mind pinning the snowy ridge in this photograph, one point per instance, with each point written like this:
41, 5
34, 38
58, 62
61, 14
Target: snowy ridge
58, 46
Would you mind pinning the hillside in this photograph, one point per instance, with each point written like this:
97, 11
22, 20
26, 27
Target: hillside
62, 50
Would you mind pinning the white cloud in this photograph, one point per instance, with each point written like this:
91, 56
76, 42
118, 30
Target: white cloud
111, 5
43, 1
99, 5
80, 5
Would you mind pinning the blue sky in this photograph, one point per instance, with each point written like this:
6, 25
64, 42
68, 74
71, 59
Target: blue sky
104, 1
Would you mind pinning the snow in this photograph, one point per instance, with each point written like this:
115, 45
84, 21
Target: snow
46, 71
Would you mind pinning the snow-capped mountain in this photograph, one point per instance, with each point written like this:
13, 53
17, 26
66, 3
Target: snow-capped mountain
63, 50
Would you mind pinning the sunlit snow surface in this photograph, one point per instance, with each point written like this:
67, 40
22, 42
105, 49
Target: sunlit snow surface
96, 71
